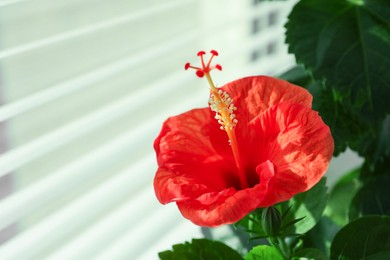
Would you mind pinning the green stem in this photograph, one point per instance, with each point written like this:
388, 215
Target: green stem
285, 247
280, 244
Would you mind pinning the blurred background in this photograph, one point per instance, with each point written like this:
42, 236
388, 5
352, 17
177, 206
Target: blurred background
84, 88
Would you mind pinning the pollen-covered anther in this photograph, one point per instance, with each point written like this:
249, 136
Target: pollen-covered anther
222, 104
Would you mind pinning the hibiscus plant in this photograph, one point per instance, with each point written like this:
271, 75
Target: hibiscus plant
256, 158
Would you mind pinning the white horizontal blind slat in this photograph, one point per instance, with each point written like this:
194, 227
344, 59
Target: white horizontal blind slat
138, 239
178, 234
62, 89
28, 152
58, 183
33, 241
107, 230
91, 29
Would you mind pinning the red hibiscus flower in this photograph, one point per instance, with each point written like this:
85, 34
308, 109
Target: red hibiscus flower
273, 146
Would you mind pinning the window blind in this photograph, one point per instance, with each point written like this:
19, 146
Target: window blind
84, 88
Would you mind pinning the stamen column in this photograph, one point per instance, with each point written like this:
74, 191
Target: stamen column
221, 103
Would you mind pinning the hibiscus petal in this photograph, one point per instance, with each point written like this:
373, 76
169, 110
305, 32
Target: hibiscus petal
265, 170
225, 207
193, 155
171, 187
299, 145
254, 95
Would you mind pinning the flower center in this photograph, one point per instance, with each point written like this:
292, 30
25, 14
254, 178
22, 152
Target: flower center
222, 104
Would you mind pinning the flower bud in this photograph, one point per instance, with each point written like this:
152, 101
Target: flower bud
271, 221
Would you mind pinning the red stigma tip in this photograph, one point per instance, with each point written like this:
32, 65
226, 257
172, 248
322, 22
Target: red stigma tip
199, 73
205, 67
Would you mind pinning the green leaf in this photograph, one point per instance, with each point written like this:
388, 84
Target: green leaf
309, 253
200, 249
377, 150
308, 205
364, 238
321, 235
299, 76
372, 199
347, 126
346, 44
263, 252
341, 196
